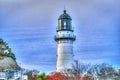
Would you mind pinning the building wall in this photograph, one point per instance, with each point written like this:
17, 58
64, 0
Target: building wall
65, 51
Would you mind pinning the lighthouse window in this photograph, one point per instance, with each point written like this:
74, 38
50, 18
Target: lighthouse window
65, 23
60, 23
70, 24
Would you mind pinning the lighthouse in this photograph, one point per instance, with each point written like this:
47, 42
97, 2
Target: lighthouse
65, 38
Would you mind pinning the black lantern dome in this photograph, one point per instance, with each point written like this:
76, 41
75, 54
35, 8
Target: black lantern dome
64, 22
64, 16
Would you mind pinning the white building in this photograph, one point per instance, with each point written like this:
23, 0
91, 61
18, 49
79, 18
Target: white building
12, 75
65, 38
2, 76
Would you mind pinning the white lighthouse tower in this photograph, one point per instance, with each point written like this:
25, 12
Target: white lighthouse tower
65, 38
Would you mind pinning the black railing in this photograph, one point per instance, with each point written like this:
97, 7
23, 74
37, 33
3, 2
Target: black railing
65, 29
71, 37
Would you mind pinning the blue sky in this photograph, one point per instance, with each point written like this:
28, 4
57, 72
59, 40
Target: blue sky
29, 27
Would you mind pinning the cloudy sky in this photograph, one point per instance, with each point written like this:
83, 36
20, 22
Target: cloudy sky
29, 27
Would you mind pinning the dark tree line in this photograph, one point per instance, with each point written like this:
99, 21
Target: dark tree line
5, 50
